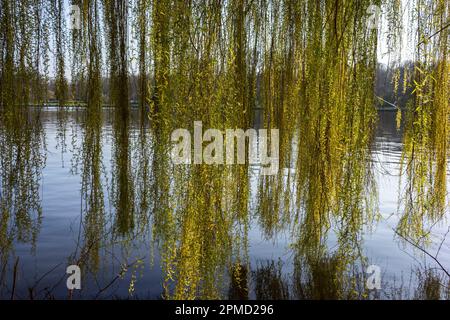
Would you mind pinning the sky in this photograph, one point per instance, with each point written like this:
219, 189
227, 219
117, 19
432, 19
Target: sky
406, 48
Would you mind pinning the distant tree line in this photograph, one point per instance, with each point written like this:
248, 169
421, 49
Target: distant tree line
392, 84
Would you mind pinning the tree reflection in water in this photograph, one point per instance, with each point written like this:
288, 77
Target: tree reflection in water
310, 67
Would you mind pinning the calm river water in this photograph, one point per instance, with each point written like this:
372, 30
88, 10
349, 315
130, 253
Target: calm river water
74, 192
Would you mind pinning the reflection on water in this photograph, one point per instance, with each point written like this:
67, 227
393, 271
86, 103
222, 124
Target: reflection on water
22, 149
139, 226
92, 218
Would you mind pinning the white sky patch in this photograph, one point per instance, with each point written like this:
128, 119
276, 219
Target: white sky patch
405, 50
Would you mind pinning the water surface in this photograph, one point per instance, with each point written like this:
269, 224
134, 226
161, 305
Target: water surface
78, 191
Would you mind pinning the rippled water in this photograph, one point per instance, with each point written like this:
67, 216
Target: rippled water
55, 238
